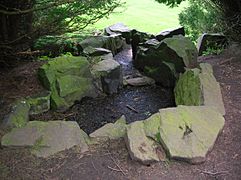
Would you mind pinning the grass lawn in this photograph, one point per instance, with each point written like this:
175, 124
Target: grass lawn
144, 15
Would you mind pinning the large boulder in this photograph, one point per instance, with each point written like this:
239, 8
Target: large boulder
141, 148
19, 115
199, 87
163, 61
114, 43
69, 79
189, 132
170, 33
46, 138
111, 131
108, 75
211, 41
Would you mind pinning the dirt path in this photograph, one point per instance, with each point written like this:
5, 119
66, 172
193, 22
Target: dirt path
112, 161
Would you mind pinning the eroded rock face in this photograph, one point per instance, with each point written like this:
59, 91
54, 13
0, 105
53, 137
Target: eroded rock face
69, 79
170, 33
199, 87
213, 41
46, 138
109, 73
189, 132
18, 117
141, 148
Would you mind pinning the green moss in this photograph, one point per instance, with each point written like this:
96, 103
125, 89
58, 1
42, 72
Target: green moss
188, 89
19, 115
39, 143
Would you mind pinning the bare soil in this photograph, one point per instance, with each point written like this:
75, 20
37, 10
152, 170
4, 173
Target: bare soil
111, 160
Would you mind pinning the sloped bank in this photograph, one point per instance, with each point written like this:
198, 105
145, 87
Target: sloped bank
186, 132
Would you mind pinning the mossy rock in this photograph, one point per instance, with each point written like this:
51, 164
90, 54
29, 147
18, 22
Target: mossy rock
69, 79
199, 87
39, 103
19, 115
112, 131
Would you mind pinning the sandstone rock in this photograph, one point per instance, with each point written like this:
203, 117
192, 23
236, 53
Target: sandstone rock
213, 40
170, 33
110, 74
68, 79
39, 103
140, 147
189, 132
18, 117
46, 138
140, 81
199, 87
111, 131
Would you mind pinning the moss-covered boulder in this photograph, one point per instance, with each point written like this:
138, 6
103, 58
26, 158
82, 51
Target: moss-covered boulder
199, 87
46, 138
19, 115
189, 132
164, 60
111, 131
68, 78
39, 103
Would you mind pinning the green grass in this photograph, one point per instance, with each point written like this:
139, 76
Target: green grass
144, 15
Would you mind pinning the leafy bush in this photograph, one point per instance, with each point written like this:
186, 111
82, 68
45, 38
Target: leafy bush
200, 17
52, 46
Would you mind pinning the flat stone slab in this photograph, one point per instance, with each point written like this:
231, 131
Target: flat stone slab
46, 138
140, 81
140, 147
189, 132
111, 131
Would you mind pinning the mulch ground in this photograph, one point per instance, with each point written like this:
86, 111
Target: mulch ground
111, 161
